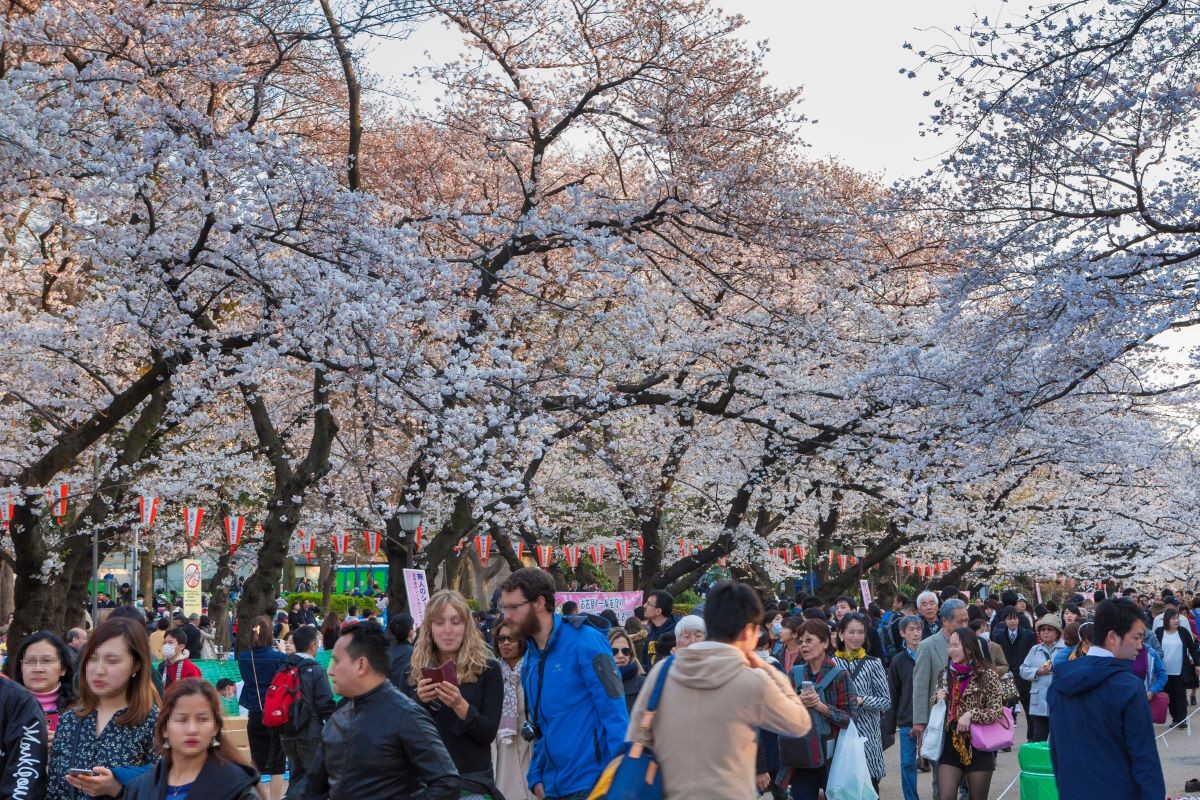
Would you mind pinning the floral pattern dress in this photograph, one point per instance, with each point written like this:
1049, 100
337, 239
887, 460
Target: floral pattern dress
76, 745
869, 682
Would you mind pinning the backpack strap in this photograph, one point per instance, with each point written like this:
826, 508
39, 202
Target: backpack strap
660, 681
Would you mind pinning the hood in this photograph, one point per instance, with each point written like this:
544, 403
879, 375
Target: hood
1085, 674
707, 665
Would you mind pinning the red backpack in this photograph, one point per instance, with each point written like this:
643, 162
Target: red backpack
284, 692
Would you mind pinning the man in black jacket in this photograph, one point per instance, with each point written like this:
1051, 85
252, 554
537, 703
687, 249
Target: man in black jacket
301, 737
23, 747
400, 626
1016, 641
899, 718
379, 743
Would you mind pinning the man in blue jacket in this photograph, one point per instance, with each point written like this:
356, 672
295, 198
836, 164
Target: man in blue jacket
573, 691
1101, 736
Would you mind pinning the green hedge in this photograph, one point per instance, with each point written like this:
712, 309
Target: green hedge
338, 603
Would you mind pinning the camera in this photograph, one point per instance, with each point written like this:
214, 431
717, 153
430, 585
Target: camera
530, 732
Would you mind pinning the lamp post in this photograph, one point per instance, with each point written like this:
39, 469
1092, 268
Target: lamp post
410, 519
860, 552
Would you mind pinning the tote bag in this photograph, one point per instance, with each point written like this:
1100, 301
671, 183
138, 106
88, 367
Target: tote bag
935, 732
849, 776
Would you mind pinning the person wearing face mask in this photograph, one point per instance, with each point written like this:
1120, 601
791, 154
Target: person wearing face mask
632, 674
198, 762
110, 731
177, 663
467, 715
44, 667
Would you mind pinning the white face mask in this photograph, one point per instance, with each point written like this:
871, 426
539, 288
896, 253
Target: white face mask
168, 651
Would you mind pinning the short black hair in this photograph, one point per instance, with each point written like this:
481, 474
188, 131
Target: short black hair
179, 635
570, 608
223, 682
611, 616
812, 601
1116, 616
366, 640
1009, 611
162, 624
815, 613
848, 601
400, 625
729, 608
532, 583
304, 636
666, 601
901, 598
950, 593
1009, 598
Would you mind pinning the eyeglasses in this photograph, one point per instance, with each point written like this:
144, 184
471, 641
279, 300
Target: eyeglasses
622, 651
505, 639
34, 663
508, 609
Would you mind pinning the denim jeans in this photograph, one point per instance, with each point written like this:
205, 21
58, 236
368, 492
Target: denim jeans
908, 762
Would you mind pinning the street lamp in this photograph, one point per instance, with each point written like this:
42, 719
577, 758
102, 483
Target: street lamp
410, 518
860, 552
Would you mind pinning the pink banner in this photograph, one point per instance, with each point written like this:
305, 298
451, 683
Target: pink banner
623, 603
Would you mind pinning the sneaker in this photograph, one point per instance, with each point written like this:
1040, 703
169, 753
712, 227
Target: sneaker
1192, 785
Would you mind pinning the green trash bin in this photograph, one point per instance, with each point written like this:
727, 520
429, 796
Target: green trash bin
1037, 773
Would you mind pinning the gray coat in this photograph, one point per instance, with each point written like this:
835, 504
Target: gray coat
932, 658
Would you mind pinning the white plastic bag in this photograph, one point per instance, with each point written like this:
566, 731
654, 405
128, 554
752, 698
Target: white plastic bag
849, 775
935, 732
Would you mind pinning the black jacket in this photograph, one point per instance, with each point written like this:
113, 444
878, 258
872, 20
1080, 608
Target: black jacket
381, 745
23, 750
401, 656
218, 780
469, 741
315, 703
1015, 652
900, 684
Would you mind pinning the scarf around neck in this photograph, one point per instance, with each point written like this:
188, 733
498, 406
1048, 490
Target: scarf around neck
508, 711
852, 655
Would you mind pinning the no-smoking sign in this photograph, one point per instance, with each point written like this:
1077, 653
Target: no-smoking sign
191, 576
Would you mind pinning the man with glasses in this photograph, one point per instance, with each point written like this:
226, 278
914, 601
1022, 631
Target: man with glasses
573, 692
658, 606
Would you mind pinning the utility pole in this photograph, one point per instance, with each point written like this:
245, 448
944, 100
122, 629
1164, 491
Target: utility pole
95, 547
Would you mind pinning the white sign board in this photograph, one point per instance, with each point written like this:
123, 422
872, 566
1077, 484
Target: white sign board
866, 592
418, 593
192, 576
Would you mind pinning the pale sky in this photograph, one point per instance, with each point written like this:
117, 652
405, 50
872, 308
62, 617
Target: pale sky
846, 56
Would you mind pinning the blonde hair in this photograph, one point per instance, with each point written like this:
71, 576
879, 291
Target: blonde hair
472, 657
619, 633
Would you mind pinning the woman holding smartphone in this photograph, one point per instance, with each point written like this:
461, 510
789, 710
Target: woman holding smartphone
107, 738
462, 687
824, 688
44, 667
198, 763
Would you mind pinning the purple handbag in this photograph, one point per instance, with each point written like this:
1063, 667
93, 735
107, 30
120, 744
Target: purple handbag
995, 735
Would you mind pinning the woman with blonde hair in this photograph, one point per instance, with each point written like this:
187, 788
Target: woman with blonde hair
632, 674
198, 763
466, 696
111, 729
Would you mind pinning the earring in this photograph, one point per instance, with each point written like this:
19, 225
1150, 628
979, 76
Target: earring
134, 675
215, 742
166, 745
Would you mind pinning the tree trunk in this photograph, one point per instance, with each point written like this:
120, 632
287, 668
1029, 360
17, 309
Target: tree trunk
326, 577
146, 573
397, 546
218, 600
7, 596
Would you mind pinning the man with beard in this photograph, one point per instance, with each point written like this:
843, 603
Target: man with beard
573, 691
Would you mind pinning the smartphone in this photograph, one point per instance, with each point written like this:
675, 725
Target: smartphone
808, 686
91, 773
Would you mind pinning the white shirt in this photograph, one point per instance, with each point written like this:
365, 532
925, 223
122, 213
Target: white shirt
1172, 646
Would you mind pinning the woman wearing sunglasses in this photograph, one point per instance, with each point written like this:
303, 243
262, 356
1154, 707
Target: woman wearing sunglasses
631, 671
511, 753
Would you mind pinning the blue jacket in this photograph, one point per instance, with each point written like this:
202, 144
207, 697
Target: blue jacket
581, 710
1101, 736
257, 667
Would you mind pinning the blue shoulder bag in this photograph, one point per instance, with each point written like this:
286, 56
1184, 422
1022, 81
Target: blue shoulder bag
634, 774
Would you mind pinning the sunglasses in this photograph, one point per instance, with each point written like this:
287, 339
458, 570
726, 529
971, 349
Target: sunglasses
622, 651
505, 639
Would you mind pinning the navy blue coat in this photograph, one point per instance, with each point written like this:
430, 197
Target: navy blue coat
1101, 736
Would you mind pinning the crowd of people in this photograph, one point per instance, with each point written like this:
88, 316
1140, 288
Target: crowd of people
750, 694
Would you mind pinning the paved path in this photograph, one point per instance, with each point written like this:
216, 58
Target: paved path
1179, 753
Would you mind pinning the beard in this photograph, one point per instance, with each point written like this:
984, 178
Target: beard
530, 627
